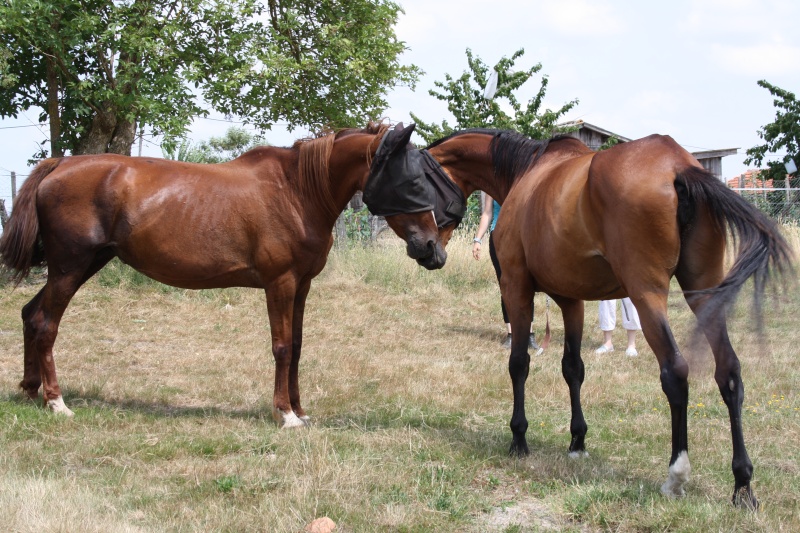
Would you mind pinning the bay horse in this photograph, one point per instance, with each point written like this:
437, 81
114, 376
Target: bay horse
263, 220
583, 225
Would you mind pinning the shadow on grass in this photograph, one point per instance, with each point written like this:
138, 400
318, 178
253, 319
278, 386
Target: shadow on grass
487, 442
448, 436
93, 400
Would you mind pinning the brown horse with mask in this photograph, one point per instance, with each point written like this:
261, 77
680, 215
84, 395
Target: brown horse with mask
263, 220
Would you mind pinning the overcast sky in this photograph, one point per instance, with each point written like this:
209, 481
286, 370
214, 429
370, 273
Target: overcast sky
686, 68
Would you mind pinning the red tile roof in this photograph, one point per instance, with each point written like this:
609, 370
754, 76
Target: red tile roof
751, 181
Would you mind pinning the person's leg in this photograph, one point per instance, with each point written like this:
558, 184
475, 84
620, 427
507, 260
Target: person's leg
630, 321
607, 312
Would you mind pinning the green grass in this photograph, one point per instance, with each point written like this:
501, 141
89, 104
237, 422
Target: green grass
408, 389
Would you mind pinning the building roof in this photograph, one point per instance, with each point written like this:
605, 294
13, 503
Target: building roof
722, 152
750, 181
585, 125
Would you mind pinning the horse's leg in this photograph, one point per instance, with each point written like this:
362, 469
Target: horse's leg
573, 370
652, 308
40, 320
517, 293
280, 303
700, 271
297, 344
31, 374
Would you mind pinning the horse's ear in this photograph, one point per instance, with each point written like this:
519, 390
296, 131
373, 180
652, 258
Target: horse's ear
403, 136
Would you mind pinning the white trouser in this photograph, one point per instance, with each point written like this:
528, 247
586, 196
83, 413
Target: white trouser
608, 315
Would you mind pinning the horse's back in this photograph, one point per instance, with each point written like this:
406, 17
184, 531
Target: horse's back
185, 224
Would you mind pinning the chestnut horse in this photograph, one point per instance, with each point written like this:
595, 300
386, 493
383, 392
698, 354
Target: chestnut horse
584, 225
263, 220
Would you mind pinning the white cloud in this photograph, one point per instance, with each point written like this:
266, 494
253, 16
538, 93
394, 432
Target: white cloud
742, 17
651, 102
757, 60
582, 17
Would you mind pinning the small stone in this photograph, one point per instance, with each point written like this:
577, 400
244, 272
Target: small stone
321, 525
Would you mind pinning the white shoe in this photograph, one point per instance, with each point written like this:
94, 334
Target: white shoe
631, 352
603, 349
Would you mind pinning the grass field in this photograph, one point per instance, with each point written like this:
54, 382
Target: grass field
407, 386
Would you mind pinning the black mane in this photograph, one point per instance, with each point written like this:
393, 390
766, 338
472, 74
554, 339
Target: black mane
512, 153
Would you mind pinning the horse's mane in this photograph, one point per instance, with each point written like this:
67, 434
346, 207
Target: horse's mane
315, 152
512, 153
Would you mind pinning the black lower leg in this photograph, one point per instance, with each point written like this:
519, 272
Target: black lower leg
675, 385
572, 369
518, 368
732, 390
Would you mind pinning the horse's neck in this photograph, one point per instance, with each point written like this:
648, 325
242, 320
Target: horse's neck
470, 169
348, 167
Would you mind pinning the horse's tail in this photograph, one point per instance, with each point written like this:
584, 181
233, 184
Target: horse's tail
20, 248
761, 250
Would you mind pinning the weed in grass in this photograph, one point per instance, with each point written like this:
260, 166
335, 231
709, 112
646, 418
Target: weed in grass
227, 484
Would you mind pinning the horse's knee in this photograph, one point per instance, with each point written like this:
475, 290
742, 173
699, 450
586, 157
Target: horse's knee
572, 370
730, 384
675, 381
519, 364
282, 352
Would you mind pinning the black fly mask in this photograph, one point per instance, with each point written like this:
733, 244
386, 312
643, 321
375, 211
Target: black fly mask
405, 180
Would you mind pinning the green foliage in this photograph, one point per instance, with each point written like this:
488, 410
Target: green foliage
465, 100
357, 224
611, 141
104, 67
234, 143
783, 135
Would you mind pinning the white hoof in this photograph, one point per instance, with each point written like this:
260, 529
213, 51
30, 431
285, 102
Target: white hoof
289, 420
678, 477
58, 407
578, 455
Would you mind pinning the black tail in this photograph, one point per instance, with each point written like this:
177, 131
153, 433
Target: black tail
761, 250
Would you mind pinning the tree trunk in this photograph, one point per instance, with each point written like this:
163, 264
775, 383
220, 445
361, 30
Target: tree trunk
96, 139
53, 114
123, 137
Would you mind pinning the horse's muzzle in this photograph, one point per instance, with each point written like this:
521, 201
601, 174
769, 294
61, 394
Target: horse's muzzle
429, 254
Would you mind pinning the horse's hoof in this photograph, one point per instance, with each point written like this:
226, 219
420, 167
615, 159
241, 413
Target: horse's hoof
289, 420
743, 497
58, 407
32, 395
678, 477
578, 454
519, 450
31, 391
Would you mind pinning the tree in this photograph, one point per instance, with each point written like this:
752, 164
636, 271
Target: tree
783, 135
466, 100
471, 109
100, 69
234, 143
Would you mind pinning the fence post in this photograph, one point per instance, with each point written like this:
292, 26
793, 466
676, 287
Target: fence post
3, 213
13, 186
341, 230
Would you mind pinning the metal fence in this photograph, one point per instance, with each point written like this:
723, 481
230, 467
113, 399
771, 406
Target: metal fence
780, 204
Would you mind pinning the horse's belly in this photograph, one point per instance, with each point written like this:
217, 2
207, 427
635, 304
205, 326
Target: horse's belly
577, 276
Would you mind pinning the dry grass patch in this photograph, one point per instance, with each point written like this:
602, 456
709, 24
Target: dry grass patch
408, 389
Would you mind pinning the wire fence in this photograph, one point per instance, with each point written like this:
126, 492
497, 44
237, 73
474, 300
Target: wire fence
780, 204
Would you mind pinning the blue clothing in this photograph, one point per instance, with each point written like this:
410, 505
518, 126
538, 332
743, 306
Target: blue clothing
495, 213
